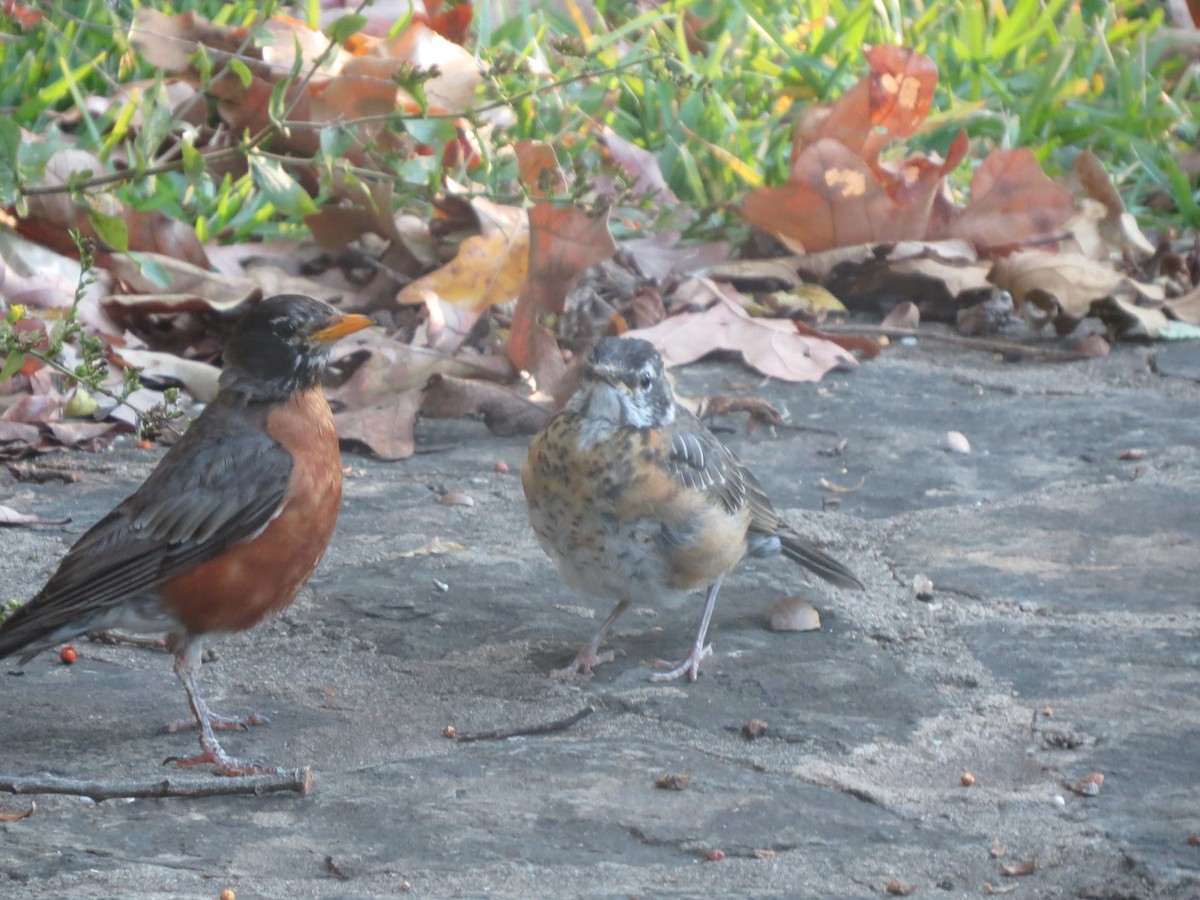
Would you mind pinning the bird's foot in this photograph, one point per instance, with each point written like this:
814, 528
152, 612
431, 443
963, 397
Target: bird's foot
218, 723
688, 667
224, 763
583, 663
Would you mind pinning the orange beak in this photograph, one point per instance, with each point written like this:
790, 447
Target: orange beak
342, 326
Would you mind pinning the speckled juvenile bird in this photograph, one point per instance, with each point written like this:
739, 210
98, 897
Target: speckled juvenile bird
634, 498
228, 526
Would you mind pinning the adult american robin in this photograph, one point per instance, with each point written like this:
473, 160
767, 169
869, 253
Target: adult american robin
635, 498
228, 526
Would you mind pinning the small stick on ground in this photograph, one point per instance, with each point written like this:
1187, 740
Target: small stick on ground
298, 780
1008, 348
544, 728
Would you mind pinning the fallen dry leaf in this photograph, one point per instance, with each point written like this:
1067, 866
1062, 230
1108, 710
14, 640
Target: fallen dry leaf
831, 199
640, 165
504, 411
17, 815
842, 489
760, 411
672, 782
434, 547
997, 849
1073, 280
895, 888
1089, 785
487, 271
867, 346
564, 242
199, 379
660, 256
1019, 869
456, 498
992, 889
771, 346
538, 166
386, 427
1012, 202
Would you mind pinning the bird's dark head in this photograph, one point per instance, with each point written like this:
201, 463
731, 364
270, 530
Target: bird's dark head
625, 384
282, 343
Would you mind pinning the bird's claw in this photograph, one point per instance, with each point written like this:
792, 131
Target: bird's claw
688, 667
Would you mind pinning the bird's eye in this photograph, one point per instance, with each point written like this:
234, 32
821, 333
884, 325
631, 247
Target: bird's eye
646, 382
285, 327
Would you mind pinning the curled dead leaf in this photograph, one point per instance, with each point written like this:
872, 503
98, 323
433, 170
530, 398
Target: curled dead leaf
1019, 869
760, 411
839, 489
672, 782
17, 815
456, 498
992, 889
896, 888
1089, 785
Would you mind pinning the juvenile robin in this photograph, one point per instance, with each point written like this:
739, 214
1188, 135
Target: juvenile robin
229, 525
634, 498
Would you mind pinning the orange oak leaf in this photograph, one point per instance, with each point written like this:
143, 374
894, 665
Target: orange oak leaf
1012, 201
832, 199
564, 242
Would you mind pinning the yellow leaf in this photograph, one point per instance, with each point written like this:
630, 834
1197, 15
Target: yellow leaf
488, 270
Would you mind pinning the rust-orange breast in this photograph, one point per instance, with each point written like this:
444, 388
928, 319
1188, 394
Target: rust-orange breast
261, 576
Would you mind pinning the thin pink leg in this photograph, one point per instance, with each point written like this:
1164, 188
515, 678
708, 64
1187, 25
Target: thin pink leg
187, 653
588, 657
690, 664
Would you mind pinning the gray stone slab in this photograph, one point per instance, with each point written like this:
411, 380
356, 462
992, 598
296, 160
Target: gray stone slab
1063, 579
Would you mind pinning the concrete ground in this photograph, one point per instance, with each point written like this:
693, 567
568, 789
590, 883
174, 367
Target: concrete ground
1060, 639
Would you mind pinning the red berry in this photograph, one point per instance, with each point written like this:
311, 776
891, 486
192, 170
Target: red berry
68, 655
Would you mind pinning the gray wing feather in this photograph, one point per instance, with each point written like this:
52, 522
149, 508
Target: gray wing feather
216, 487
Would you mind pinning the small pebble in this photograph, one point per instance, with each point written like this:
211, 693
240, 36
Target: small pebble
956, 442
1060, 800
715, 855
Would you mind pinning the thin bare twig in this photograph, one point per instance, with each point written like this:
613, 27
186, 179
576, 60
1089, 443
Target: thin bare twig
1049, 354
298, 780
521, 731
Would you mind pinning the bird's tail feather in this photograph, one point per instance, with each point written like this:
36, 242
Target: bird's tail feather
797, 549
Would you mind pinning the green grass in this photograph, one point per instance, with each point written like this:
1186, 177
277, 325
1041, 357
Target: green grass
1052, 75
